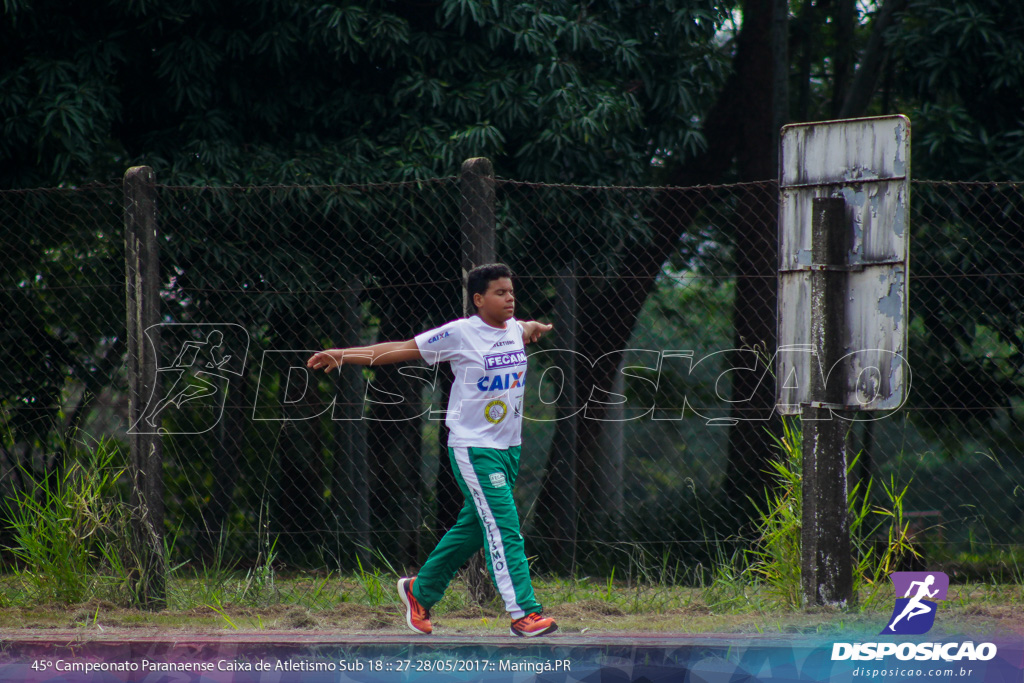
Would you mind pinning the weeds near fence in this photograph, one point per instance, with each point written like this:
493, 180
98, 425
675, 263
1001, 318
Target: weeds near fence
68, 526
776, 555
211, 581
260, 579
377, 592
766, 575
873, 568
775, 559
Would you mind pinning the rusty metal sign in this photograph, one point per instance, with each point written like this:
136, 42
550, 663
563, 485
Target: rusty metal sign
867, 163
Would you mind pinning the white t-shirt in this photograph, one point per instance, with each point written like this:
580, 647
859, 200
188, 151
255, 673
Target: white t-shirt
485, 409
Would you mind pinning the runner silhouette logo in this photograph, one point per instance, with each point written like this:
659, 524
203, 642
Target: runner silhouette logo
917, 594
195, 364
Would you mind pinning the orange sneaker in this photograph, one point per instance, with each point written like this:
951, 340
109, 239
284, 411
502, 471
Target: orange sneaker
532, 625
417, 617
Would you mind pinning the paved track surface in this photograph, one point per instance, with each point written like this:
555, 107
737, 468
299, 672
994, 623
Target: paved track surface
292, 637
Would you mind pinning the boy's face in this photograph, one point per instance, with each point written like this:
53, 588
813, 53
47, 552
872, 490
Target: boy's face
498, 303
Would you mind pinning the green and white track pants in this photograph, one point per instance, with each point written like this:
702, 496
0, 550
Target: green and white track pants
488, 520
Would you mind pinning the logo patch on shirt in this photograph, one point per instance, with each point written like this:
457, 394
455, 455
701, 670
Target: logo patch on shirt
495, 411
497, 480
494, 361
442, 335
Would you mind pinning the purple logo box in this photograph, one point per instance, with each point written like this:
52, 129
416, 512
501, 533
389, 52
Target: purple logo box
902, 580
504, 360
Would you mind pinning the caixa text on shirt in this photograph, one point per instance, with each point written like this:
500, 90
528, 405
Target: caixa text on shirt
438, 336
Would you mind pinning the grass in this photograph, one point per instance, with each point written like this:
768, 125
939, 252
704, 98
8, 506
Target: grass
324, 603
74, 566
63, 528
879, 534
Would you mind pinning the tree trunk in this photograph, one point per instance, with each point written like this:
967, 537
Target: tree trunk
603, 496
350, 493
866, 80
559, 511
742, 124
750, 443
477, 224
844, 56
395, 440
756, 249
807, 30
227, 451
298, 505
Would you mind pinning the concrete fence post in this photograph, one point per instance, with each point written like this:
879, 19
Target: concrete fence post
826, 571
142, 257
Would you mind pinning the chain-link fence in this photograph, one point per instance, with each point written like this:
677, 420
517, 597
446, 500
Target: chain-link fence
638, 450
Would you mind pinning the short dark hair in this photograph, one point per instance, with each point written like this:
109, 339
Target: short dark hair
481, 277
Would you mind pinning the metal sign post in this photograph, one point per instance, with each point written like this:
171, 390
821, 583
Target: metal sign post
843, 238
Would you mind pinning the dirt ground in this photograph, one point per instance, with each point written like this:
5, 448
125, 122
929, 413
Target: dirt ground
100, 620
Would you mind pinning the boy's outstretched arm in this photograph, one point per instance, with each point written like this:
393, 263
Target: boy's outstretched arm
534, 330
384, 353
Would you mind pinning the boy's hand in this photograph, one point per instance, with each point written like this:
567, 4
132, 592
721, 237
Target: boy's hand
324, 359
533, 330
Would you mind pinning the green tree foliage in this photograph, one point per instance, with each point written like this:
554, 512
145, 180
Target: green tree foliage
327, 92
960, 67
955, 67
63, 299
296, 92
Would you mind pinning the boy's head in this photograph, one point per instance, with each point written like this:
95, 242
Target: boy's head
490, 290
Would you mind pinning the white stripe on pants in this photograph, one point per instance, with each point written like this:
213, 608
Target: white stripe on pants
492, 536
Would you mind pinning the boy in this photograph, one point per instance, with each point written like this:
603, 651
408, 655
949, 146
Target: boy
485, 416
